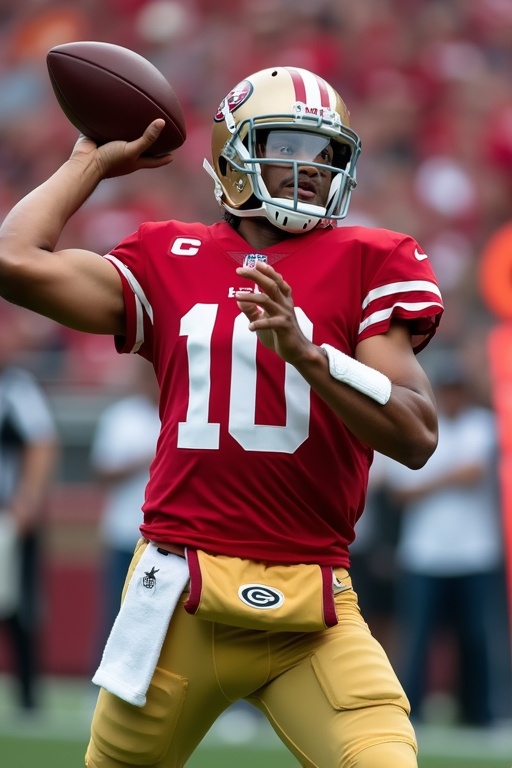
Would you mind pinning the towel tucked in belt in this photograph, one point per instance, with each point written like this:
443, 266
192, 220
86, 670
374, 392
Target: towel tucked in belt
133, 647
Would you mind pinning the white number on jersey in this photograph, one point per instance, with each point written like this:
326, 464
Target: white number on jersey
197, 432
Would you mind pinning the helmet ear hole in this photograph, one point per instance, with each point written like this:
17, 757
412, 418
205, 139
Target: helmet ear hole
342, 154
223, 165
261, 136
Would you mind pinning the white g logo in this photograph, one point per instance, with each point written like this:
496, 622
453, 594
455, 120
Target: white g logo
260, 596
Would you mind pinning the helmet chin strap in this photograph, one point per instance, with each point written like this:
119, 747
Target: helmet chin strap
285, 219
305, 218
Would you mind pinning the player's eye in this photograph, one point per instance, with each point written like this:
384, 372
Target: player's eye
280, 149
326, 155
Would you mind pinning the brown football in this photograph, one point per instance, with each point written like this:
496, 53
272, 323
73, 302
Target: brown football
109, 92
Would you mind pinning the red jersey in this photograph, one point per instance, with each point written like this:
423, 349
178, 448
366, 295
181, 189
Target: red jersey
250, 461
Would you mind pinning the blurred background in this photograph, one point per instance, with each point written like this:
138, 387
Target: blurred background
429, 87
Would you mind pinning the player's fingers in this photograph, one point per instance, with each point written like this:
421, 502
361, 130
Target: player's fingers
255, 299
270, 277
143, 143
265, 323
153, 130
269, 271
155, 162
251, 311
271, 282
257, 271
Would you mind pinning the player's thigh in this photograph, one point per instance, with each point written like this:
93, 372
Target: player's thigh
183, 700
202, 669
125, 735
341, 705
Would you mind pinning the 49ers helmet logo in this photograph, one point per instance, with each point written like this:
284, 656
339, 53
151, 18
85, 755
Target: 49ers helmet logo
260, 596
234, 99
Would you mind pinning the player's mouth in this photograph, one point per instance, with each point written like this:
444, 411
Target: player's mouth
307, 190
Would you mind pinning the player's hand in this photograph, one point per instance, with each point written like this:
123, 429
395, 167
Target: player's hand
118, 158
271, 312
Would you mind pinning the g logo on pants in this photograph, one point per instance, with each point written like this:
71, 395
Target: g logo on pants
260, 596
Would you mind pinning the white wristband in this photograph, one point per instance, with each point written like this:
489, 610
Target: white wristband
369, 381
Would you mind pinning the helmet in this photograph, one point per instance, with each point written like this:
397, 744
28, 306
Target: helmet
282, 99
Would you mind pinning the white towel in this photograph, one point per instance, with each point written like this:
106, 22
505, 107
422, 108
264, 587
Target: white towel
135, 641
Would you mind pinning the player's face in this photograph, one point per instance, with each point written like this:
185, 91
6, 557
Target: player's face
282, 147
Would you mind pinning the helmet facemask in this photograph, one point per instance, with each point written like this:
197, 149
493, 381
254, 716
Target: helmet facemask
294, 150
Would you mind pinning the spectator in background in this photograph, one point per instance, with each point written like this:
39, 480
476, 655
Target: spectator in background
123, 448
449, 552
28, 450
372, 556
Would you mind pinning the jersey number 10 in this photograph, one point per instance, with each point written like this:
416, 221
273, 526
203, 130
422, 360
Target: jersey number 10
197, 432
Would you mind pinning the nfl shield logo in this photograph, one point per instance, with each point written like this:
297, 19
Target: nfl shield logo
251, 259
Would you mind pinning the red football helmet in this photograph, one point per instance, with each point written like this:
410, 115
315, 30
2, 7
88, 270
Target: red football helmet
284, 99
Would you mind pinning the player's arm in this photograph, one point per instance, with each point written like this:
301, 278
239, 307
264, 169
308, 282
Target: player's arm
405, 427
75, 287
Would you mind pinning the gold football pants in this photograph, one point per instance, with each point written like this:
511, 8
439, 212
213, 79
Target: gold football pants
331, 696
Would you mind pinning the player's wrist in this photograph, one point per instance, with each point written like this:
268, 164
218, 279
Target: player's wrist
310, 355
357, 375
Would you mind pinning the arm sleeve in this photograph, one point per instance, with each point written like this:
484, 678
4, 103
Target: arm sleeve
128, 259
403, 287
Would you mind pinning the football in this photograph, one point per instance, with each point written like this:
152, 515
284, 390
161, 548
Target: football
109, 92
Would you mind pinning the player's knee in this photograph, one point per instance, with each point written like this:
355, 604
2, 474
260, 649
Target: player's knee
397, 754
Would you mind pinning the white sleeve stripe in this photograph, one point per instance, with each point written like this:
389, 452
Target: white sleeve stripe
383, 314
139, 332
402, 287
133, 283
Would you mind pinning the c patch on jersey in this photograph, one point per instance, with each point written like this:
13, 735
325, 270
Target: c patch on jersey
185, 246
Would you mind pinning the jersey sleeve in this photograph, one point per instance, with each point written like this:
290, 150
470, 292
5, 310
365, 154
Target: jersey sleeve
403, 287
128, 259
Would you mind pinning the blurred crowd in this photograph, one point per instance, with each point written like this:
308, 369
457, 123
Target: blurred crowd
428, 84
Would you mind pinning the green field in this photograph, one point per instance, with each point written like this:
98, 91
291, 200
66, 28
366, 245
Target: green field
57, 737
47, 753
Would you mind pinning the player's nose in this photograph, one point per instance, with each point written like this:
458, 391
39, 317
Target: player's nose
306, 168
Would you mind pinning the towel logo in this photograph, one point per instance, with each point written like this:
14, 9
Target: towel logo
260, 596
149, 578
